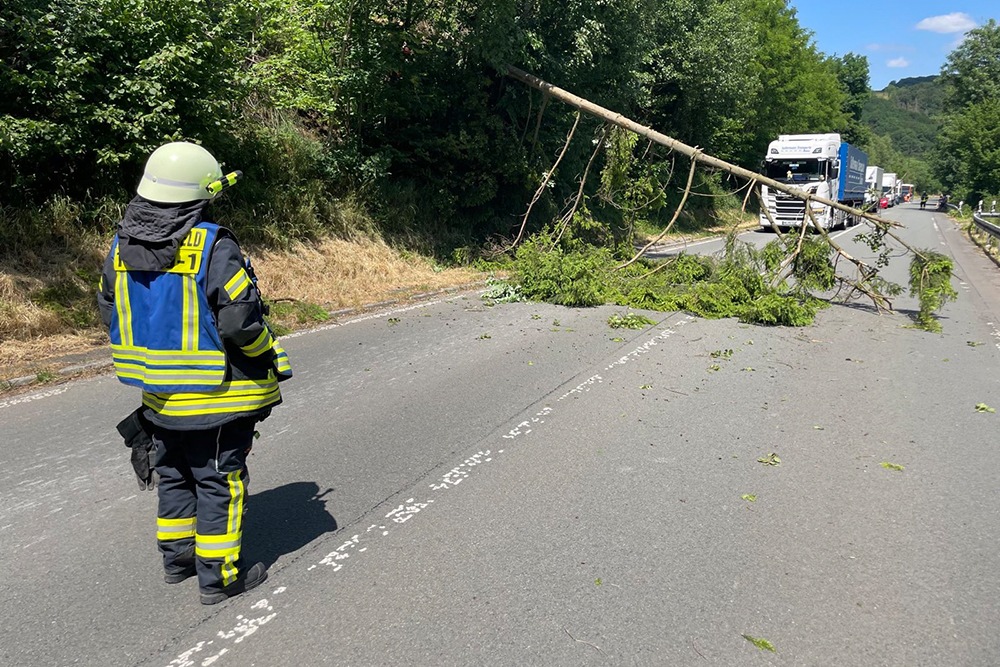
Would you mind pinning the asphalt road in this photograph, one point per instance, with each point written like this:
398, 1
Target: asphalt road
452, 484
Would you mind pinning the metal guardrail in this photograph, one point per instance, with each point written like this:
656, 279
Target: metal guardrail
980, 219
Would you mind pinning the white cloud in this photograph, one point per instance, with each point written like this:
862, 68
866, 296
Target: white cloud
898, 62
948, 23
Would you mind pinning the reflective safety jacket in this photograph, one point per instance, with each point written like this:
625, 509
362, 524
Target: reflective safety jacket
191, 335
163, 334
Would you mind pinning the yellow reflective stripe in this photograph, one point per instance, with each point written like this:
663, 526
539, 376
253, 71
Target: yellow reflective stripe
234, 396
175, 529
236, 501
236, 491
196, 376
238, 283
186, 521
167, 372
189, 314
170, 409
202, 378
229, 571
216, 553
123, 307
232, 388
166, 353
217, 546
153, 356
282, 364
261, 344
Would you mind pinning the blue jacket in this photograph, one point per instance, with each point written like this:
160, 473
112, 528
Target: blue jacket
186, 321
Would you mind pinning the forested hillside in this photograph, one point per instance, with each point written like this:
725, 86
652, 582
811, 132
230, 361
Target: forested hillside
908, 111
904, 120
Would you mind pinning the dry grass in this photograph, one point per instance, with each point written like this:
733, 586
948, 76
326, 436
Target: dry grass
343, 274
19, 317
333, 274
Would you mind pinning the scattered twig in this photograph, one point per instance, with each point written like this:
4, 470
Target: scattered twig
581, 641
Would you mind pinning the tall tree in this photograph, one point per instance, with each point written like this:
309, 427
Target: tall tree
968, 156
972, 70
852, 74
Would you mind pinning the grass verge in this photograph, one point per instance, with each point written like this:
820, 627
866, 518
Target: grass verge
48, 308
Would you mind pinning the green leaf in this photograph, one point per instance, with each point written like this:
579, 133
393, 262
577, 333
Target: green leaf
749, 497
770, 460
761, 643
891, 466
982, 407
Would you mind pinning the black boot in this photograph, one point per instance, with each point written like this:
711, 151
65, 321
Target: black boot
181, 568
245, 581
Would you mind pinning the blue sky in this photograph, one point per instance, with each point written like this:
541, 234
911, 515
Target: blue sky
901, 38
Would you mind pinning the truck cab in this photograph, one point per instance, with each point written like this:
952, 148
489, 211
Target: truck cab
815, 164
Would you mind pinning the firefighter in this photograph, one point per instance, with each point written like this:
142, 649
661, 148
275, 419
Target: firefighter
187, 327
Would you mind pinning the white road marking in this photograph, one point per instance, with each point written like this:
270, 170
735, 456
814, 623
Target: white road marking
33, 397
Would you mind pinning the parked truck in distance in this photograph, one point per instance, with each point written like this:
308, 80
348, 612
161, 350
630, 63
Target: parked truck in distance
890, 188
905, 192
873, 186
815, 164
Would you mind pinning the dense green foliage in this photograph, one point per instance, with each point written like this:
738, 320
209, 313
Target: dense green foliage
401, 107
745, 283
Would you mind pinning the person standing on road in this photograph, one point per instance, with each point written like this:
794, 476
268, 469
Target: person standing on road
187, 327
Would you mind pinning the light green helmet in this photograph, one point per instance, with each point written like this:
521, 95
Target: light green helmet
179, 172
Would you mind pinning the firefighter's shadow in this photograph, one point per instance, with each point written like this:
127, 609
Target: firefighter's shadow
282, 520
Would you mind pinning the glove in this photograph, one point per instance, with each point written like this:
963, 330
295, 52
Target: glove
136, 432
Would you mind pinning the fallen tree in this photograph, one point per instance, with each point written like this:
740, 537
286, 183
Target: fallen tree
799, 260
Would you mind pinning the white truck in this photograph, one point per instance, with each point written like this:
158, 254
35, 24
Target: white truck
873, 186
890, 188
815, 164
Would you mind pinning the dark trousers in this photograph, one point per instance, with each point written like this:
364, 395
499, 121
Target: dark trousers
202, 492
